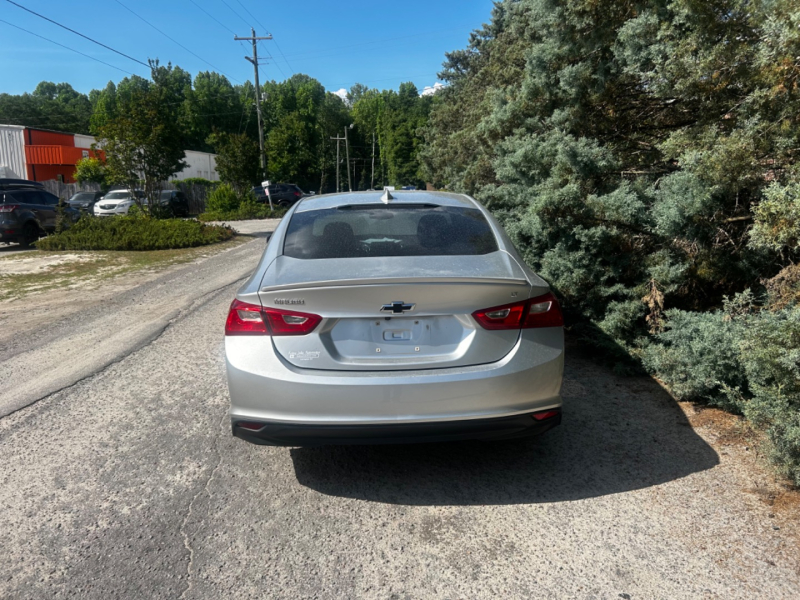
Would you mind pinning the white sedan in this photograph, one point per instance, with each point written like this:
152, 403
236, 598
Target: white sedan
117, 202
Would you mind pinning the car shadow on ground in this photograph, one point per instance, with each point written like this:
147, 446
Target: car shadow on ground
9, 249
618, 434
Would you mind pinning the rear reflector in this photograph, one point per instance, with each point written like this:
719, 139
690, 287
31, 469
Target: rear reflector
546, 414
542, 311
252, 319
249, 425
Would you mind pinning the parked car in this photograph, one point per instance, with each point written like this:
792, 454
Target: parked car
394, 317
176, 201
27, 211
283, 194
84, 201
116, 202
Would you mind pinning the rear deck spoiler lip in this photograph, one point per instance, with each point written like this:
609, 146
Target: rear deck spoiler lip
301, 285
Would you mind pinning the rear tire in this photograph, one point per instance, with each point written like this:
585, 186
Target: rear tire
30, 233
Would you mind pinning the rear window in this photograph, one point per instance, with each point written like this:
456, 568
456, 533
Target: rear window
83, 197
410, 230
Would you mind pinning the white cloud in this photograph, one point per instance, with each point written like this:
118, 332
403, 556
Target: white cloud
342, 93
432, 89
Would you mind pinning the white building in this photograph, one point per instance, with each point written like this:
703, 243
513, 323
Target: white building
199, 164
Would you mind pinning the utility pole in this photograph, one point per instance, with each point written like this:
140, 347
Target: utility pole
339, 139
372, 177
254, 60
347, 150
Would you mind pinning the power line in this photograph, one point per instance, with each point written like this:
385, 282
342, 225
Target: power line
67, 47
78, 33
263, 47
236, 13
252, 16
284, 58
327, 51
213, 17
174, 40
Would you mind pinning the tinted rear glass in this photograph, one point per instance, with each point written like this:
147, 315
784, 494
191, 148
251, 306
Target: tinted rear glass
411, 230
83, 197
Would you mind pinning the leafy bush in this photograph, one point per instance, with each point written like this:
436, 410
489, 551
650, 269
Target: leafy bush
223, 199
744, 361
197, 181
246, 210
224, 204
777, 218
647, 175
134, 233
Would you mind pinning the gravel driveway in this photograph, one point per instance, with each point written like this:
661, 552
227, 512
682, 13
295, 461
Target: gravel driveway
120, 479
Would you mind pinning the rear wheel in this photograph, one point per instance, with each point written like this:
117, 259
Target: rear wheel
30, 233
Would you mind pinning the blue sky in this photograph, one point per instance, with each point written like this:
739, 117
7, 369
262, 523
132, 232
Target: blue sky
378, 43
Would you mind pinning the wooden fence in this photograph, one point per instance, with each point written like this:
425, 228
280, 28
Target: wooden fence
196, 193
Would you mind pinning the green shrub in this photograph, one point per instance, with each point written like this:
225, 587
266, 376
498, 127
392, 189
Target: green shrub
135, 233
197, 181
223, 199
777, 218
770, 355
248, 208
740, 360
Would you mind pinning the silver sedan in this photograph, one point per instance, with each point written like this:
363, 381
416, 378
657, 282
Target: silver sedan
391, 317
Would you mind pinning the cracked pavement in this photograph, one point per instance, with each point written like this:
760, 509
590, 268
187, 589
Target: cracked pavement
120, 479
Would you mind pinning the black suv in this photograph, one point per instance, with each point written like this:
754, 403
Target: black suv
84, 201
27, 211
282, 194
177, 202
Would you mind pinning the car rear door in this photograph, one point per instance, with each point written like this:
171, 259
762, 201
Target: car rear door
46, 207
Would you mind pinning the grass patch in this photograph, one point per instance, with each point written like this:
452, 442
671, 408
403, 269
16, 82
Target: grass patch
64, 270
135, 234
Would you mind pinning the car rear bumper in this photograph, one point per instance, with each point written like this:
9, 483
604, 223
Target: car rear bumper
266, 388
12, 234
299, 434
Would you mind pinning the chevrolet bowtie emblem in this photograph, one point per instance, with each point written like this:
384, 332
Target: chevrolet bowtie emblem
397, 307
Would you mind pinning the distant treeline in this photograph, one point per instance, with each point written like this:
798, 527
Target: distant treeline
300, 117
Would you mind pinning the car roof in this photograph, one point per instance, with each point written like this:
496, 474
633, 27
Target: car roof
20, 184
400, 197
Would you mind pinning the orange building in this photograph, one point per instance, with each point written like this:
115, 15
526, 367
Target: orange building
42, 155
53, 155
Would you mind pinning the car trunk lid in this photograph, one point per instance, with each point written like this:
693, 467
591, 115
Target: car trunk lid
394, 313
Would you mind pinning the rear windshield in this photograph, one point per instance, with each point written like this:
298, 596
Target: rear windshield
83, 196
410, 230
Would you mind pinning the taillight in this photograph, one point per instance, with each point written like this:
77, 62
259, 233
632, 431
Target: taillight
251, 319
288, 322
8, 207
245, 319
542, 311
297, 194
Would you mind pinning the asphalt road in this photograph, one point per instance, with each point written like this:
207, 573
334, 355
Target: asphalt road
119, 479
